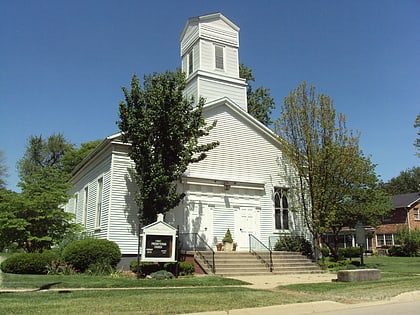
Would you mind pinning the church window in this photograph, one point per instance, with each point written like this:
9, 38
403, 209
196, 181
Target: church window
85, 205
218, 53
281, 209
190, 62
99, 202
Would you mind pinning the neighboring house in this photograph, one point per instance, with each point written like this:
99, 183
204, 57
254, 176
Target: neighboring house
406, 214
242, 185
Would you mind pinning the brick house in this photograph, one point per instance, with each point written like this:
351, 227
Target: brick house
406, 213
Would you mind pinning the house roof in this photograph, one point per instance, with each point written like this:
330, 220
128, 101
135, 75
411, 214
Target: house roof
405, 200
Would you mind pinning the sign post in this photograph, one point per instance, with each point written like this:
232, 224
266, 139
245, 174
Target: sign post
361, 239
159, 242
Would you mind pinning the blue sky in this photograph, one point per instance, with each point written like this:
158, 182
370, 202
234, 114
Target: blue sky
63, 63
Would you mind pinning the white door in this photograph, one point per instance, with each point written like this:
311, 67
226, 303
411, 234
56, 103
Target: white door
247, 223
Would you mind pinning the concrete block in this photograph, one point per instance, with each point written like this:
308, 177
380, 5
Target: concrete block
358, 275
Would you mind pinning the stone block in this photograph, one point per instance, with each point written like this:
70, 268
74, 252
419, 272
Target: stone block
358, 275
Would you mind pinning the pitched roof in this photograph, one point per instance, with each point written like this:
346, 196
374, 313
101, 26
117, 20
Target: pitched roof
405, 200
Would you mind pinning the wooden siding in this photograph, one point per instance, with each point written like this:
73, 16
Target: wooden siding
212, 90
207, 59
123, 223
246, 154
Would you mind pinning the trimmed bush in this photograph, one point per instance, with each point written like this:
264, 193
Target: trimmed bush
83, 253
29, 263
350, 252
162, 275
146, 268
294, 243
185, 268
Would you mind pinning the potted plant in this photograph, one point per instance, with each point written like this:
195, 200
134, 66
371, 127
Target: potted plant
234, 246
228, 241
219, 246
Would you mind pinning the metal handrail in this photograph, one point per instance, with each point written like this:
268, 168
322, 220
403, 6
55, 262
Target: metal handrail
211, 265
253, 244
195, 242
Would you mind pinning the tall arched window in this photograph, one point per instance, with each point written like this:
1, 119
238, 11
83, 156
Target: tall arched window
281, 209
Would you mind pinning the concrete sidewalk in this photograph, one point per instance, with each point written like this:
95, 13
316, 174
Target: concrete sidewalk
268, 282
319, 307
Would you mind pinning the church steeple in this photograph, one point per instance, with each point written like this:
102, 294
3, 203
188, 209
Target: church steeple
209, 52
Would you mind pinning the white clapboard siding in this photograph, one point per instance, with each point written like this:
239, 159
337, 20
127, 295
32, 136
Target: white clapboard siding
212, 90
122, 221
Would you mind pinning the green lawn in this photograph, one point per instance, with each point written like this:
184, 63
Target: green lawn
196, 294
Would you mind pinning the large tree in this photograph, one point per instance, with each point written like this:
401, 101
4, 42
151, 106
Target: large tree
336, 183
164, 128
44, 186
260, 103
407, 181
75, 155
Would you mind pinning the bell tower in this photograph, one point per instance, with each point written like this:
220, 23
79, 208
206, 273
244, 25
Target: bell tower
209, 53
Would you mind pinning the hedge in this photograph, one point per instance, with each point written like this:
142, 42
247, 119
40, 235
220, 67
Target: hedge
29, 263
83, 253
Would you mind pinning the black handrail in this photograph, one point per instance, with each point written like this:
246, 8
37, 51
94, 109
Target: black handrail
211, 265
254, 244
195, 242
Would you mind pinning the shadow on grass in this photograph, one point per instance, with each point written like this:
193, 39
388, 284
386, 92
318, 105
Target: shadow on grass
46, 286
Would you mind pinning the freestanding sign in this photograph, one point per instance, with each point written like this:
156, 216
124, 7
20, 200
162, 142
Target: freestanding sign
159, 242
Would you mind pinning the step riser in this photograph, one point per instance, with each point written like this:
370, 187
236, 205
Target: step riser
244, 263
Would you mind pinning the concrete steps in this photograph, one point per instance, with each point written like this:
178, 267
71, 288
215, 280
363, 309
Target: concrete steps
245, 263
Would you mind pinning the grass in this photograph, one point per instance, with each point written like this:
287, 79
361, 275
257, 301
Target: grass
15, 281
148, 301
194, 294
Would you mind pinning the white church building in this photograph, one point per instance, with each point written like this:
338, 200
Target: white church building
242, 185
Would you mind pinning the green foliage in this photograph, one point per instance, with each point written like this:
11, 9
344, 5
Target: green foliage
294, 243
410, 242
164, 128
33, 219
336, 183
350, 252
325, 251
260, 103
70, 237
82, 254
75, 155
406, 182
162, 275
29, 263
396, 251
58, 267
100, 269
228, 237
184, 268
147, 268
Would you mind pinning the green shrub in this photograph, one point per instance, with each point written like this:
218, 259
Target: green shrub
29, 263
325, 251
349, 252
100, 269
228, 237
184, 268
162, 275
83, 253
294, 243
396, 251
146, 268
